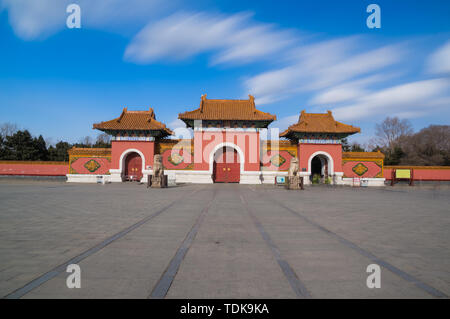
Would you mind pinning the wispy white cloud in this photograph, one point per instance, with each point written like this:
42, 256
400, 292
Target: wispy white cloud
231, 39
321, 65
284, 122
350, 90
439, 61
31, 19
406, 100
177, 123
36, 19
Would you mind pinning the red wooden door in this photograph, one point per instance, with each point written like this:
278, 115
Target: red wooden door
220, 172
227, 167
233, 172
133, 167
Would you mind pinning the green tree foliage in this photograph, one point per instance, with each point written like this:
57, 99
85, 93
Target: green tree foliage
59, 152
394, 156
345, 145
354, 147
2, 147
21, 146
357, 148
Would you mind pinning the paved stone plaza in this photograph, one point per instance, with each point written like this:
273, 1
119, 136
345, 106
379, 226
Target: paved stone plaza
222, 241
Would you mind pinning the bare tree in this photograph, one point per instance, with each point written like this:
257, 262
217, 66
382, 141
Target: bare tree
430, 146
103, 138
391, 130
8, 129
86, 141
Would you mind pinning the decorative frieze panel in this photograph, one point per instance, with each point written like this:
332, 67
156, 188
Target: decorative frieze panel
319, 141
366, 168
94, 161
133, 138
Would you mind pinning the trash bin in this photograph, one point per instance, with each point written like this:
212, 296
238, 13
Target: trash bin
364, 182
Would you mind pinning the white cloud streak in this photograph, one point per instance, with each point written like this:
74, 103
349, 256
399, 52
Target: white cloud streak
439, 61
231, 39
321, 65
405, 100
36, 19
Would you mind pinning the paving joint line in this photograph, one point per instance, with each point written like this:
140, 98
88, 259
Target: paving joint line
38, 281
294, 281
165, 282
397, 271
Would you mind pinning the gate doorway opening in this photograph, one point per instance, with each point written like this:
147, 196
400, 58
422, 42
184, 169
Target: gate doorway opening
319, 168
226, 166
133, 167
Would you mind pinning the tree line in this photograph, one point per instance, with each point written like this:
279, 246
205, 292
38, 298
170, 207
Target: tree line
20, 145
396, 139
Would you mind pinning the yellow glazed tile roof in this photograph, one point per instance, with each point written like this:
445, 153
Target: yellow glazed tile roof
134, 120
319, 123
238, 110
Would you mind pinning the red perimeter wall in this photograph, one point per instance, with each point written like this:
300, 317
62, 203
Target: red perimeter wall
424, 173
31, 168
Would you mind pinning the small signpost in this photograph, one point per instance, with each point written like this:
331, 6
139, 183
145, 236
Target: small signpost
280, 180
400, 174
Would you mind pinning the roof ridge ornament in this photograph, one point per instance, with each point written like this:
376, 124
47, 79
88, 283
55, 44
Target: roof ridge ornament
251, 98
203, 99
303, 112
125, 109
152, 115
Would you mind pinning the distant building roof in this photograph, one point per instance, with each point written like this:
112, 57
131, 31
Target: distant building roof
319, 123
233, 110
134, 121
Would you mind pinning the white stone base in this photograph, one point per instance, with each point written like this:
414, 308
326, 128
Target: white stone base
116, 175
370, 181
205, 177
337, 178
252, 178
187, 176
305, 175
268, 177
88, 178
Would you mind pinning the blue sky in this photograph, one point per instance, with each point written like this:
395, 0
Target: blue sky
292, 55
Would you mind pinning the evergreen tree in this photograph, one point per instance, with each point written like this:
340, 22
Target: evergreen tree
40, 149
59, 152
20, 147
394, 157
2, 147
345, 145
357, 148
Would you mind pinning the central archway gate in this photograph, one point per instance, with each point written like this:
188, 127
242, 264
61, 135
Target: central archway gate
133, 167
226, 166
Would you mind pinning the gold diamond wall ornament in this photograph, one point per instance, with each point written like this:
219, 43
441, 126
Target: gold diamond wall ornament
277, 160
176, 159
92, 165
360, 169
